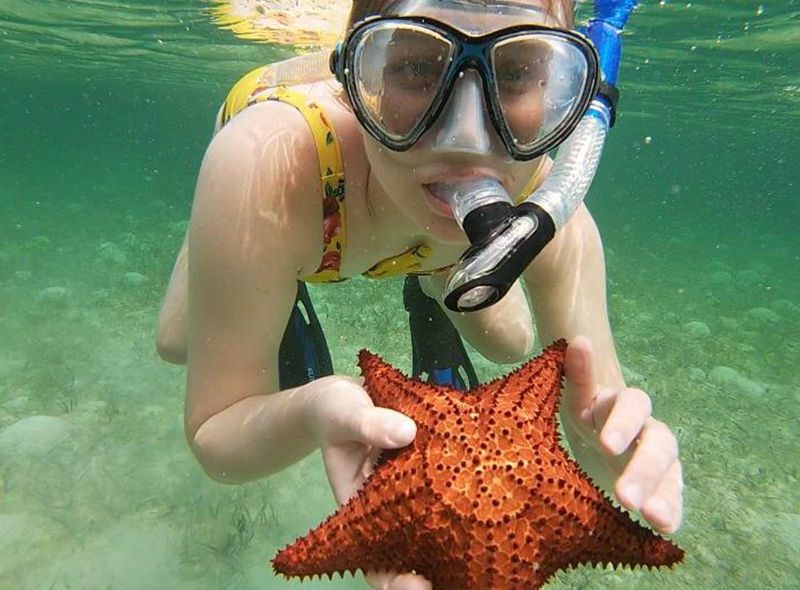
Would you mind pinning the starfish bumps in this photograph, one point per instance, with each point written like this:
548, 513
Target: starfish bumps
484, 498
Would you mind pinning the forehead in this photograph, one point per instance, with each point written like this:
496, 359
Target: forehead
476, 18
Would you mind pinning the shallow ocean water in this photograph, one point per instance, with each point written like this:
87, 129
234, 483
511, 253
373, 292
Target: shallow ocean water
105, 110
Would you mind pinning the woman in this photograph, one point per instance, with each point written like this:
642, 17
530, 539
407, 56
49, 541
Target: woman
379, 148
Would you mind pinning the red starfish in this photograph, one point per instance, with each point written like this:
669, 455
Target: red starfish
484, 498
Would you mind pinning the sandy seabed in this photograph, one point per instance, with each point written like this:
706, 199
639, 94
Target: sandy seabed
98, 488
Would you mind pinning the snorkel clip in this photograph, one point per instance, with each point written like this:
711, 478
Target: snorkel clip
499, 253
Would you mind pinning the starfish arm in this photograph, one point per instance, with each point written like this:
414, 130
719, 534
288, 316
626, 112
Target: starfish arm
424, 403
507, 554
349, 541
532, 392
374, 530
590, 529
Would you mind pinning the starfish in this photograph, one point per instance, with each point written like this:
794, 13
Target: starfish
484, 498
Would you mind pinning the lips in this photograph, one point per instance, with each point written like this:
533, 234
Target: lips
438, 197
439, 182
441, 191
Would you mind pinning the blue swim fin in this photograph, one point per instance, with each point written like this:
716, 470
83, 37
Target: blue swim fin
438, 353
304, 354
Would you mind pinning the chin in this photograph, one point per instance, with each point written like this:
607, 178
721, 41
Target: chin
444, 230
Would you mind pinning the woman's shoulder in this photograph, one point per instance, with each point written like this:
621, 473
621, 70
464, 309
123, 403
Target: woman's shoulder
259, 173
266, 84
294, 142
294, 119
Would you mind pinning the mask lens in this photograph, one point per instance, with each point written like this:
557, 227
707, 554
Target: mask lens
399, 70
541, 81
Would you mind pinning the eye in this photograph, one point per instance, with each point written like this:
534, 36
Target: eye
414, 72
522, 77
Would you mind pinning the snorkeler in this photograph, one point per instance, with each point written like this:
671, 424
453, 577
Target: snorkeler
427, 150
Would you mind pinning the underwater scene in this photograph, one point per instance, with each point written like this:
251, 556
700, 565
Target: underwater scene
106, 109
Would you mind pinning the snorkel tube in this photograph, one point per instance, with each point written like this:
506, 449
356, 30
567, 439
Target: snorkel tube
504, 238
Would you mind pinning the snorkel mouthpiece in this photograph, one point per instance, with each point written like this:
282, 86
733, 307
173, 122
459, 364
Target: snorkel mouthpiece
504, 239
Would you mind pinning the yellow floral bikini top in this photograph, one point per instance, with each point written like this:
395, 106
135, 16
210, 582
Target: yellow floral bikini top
252, 89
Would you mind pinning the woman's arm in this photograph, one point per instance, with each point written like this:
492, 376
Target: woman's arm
567, 285
172, 328
254, 228
256, 225
609, 426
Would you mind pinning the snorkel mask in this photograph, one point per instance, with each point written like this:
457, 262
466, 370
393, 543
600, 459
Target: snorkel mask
501, 80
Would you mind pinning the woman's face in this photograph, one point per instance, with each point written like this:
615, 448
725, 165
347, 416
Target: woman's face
411, 178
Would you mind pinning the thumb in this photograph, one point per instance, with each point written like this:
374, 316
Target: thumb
384, 428
579, 370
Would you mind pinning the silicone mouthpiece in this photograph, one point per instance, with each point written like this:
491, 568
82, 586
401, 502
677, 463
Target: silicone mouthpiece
476, 193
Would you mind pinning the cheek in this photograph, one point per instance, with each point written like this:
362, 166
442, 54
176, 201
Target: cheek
399, 183
401, 109
525, 116
391, 172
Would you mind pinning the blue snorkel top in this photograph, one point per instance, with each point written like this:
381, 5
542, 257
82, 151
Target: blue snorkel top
605, 31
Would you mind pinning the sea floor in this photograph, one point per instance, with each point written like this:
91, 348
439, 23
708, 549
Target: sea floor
98, 488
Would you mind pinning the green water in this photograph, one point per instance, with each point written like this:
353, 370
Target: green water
105, 110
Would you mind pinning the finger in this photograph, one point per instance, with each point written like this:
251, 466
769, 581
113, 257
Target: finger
579, 370
655, 452
395, 581
368, 466
630, 411
410, 582
378, 580
347, 466
344, 464
383, 428
359, 437
664, 509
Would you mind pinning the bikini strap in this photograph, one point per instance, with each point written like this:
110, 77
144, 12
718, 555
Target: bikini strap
331, 172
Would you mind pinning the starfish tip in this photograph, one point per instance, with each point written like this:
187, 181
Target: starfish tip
369, 362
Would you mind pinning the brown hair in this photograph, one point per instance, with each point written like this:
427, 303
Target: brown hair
364, 8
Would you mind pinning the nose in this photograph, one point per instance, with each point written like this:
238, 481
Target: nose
463, 124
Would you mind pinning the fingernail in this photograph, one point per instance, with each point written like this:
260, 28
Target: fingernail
615, 442
402, 432
635, 495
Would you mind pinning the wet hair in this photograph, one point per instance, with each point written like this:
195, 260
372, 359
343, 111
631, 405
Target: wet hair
364, 8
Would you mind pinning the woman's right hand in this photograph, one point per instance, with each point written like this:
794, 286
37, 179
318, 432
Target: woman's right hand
351, 431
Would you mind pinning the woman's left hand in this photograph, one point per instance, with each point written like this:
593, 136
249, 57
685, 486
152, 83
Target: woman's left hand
638, 453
